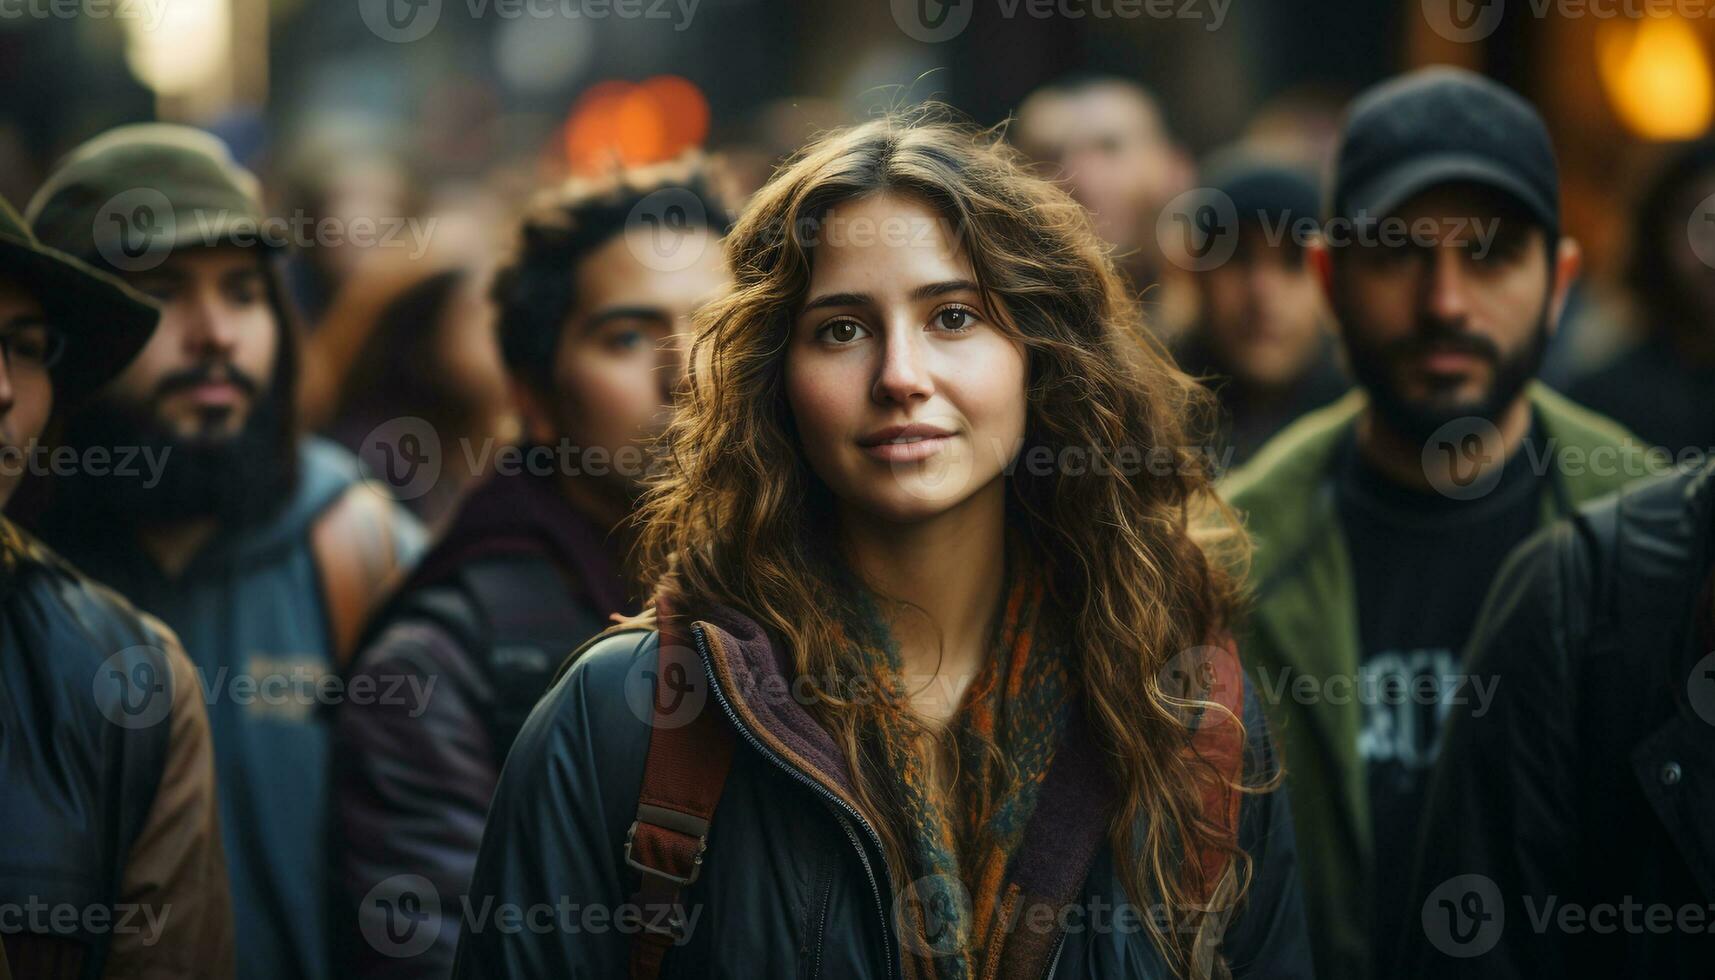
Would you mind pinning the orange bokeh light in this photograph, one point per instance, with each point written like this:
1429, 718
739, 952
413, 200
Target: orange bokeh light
619, 123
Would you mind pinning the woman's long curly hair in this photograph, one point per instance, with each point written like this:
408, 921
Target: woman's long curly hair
1139, 560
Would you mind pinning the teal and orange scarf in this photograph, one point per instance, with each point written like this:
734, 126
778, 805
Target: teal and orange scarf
960, 842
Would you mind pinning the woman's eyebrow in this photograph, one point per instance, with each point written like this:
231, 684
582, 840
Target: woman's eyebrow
934, 289
925, 291
827, 300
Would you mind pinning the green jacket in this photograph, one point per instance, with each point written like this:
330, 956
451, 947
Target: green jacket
1304, 624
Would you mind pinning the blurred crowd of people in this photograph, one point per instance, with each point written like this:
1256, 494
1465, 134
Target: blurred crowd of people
304, 519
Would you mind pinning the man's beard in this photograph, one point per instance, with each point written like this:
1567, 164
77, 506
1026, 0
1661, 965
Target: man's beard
1416, 421
237, 479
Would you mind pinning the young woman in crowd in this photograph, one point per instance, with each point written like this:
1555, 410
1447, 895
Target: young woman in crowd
940, 624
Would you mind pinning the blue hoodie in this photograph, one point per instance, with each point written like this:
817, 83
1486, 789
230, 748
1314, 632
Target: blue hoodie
249, 610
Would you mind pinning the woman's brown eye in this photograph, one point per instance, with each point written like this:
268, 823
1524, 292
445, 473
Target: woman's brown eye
844, 331
955, 319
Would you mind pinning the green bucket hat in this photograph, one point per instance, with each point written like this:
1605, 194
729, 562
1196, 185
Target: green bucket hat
128, 198
105, 322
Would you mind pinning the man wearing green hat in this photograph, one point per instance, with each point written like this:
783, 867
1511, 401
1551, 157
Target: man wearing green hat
111, 864
263, 549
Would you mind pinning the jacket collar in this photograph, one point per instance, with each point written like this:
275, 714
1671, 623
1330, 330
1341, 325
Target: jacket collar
753, 675
1284, 490
1066, 832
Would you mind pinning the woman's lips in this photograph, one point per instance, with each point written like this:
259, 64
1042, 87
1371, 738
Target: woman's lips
906, 443
907, 449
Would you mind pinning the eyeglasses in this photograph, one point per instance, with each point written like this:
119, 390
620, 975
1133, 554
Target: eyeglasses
32, 345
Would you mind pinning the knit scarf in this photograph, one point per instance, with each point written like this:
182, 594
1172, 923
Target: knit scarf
960, 842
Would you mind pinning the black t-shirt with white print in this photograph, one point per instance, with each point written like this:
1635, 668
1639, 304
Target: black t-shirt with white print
1422, 561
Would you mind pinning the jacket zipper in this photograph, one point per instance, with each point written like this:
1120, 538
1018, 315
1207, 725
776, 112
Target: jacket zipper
825, 886
1054, 957
822, 791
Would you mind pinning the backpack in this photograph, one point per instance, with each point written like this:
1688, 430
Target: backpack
512, 615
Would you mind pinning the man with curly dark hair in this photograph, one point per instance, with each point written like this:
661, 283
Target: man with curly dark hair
606, 276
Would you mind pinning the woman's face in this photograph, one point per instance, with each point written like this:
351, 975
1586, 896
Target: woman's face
908, 397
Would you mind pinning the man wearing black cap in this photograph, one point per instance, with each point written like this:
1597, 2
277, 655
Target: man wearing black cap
1380, 520
111, 862
1261, 341
264, 551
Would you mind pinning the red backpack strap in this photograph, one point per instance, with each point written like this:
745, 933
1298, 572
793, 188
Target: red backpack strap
1219, 742
683, 775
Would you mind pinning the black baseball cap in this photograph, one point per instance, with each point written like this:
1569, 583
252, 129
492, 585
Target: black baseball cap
1262, 189
1437, 126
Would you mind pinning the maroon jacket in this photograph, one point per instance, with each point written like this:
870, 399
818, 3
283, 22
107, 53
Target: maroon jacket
451, 668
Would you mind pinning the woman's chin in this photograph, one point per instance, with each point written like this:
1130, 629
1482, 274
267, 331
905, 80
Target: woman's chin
909, 499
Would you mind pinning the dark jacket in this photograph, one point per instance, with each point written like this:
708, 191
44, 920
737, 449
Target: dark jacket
1657, 392
110, 854
468, 647
1571, 824
793, 883
254, 617
1304, 622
